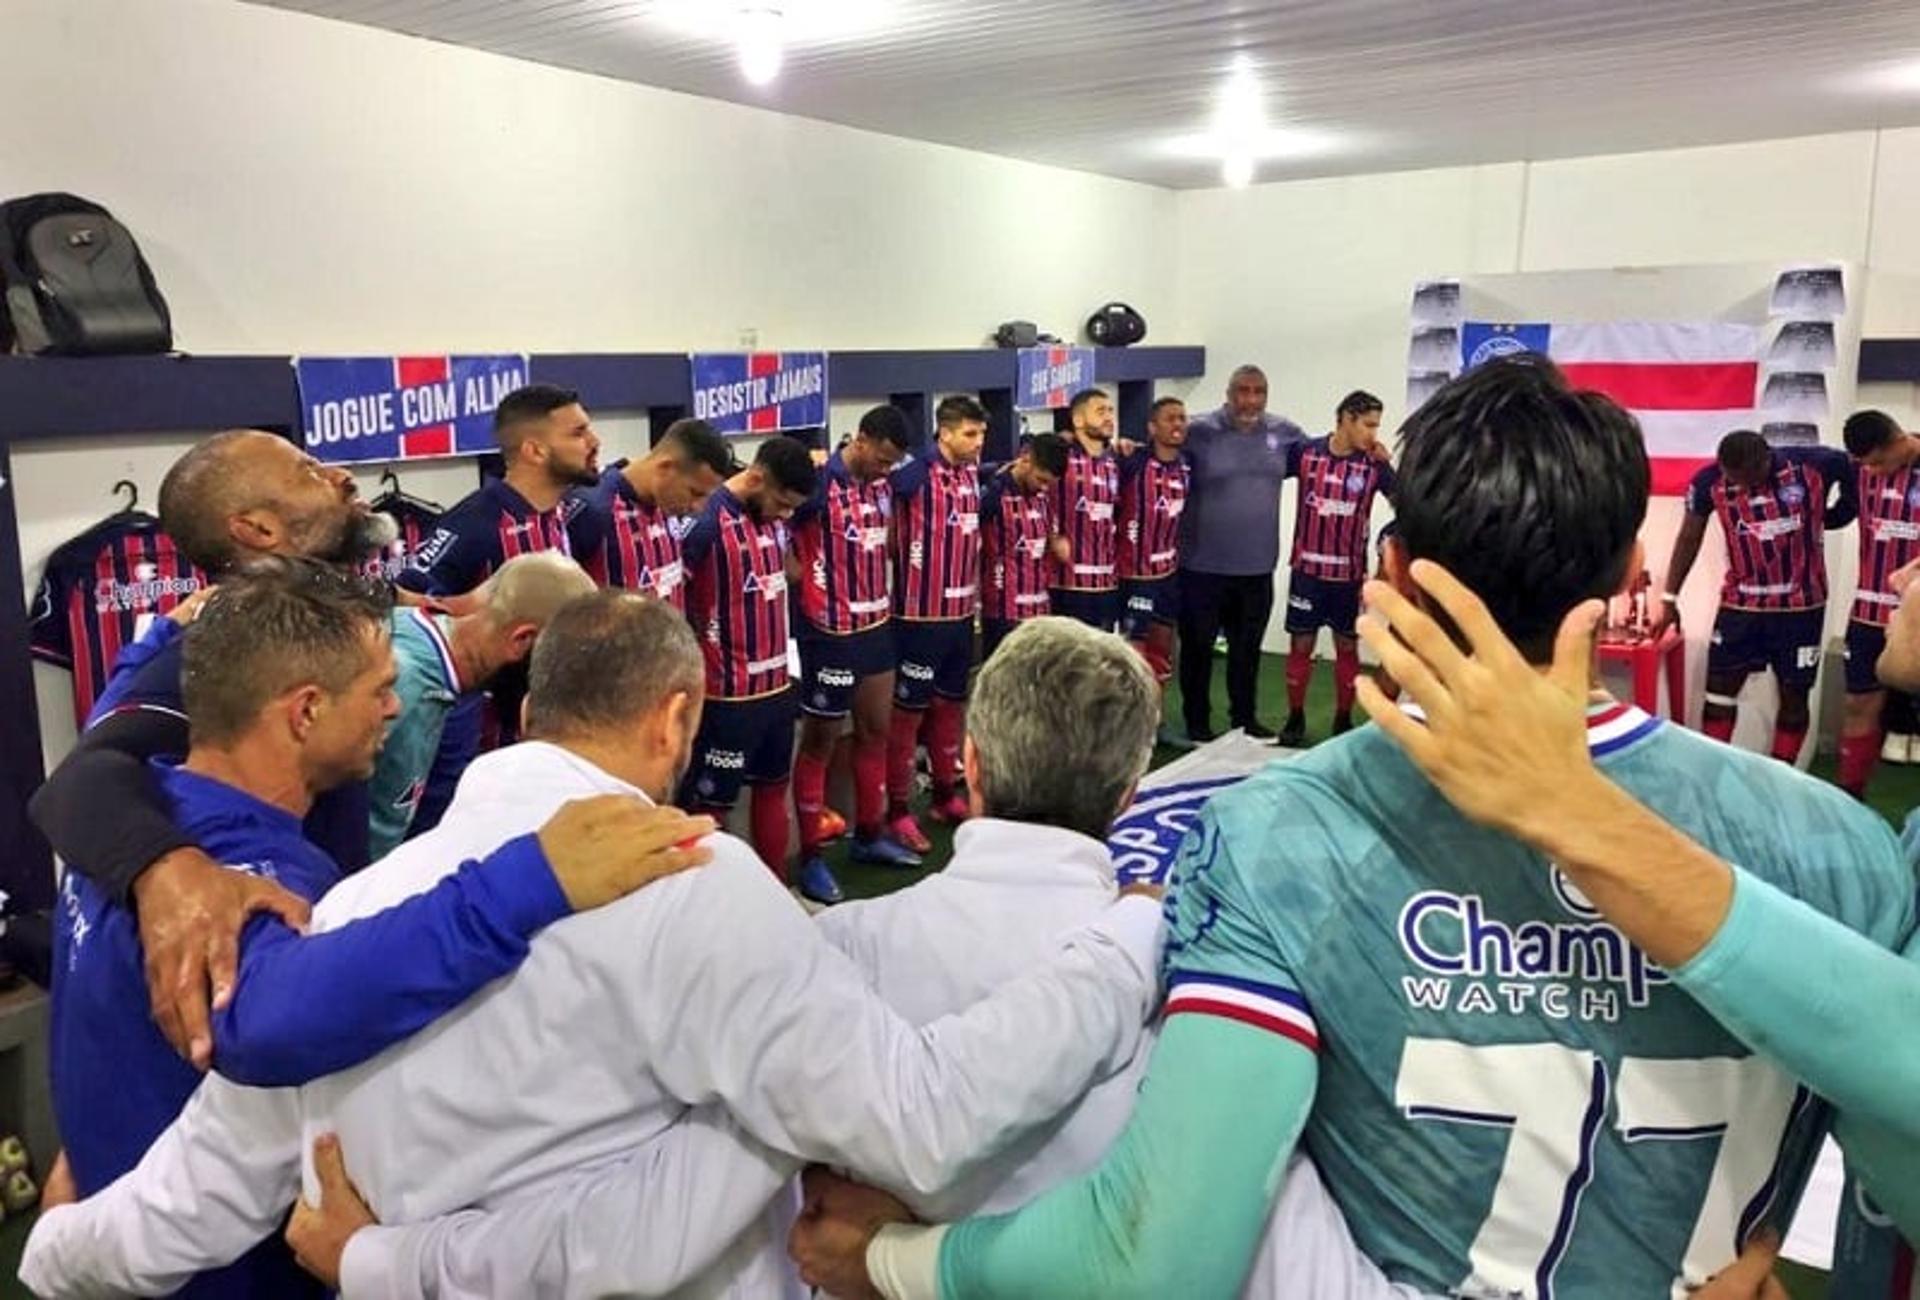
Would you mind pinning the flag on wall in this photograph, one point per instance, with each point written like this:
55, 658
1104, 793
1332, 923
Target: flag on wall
1689, 383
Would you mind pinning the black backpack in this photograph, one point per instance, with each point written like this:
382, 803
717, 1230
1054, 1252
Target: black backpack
1116, 325
75, 282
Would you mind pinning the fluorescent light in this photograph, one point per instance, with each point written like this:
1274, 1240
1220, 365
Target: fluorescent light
1272, 142
1237, 170
761, 41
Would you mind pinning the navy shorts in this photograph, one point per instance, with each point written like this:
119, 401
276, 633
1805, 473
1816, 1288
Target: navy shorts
1865, 641
1097, 609
992, 632
831, 666
1146, 601
1314, 603
740, 742
935, 658
1749, 641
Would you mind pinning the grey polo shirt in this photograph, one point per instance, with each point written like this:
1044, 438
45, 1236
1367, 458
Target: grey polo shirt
1232, 521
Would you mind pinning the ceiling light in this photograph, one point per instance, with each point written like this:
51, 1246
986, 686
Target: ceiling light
761, 42
1237, 170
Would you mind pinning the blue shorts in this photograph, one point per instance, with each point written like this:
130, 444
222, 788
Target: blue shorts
1314, 603
740, 742
832, 665
1865, 641
1747, 641
1147, 601
1097, 609
936, 658
992, 632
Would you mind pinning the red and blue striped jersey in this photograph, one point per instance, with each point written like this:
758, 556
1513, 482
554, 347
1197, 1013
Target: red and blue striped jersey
622, 541
1776, 536
1889, 538
840, 539
737, 598
481, 533
1153, 496
936, 539
1085, 502
99, 592
1335, 510
1015, 530
417, 522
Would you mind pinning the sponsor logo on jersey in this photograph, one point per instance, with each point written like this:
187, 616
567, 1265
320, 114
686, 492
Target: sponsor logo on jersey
1771, 530
918, 672
730, 760
835, 676
1580, 969
144, 592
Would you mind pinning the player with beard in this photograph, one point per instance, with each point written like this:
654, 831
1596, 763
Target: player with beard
547, 440
235, 496
1086, 584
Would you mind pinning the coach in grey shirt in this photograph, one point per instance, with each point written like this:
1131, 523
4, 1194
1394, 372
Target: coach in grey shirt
1230, 547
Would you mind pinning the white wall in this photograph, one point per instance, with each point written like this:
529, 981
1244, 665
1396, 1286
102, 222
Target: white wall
1312, 279
308, 186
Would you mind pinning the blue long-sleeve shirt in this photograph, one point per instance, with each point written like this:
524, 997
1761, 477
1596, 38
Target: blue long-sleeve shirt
303, 1006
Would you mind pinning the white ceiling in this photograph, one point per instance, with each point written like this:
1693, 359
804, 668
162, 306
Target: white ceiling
1105, 85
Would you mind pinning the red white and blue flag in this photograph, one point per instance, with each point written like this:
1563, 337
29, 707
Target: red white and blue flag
760, 392
1688, 383
402, 408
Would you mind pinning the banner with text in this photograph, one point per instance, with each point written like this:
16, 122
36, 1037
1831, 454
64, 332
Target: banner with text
1049, 377
760, 392
402, 408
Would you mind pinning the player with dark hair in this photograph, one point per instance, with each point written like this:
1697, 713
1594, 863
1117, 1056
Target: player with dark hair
1503, 1095
1887, 462
840, 539
547, 439
1017, 537
1155, 481
1775, 506
625, 530
1339, 475
736, 557
288, 684
936, 594
1086, 580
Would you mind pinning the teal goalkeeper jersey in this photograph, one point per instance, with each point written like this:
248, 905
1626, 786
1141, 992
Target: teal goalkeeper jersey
1513, 1101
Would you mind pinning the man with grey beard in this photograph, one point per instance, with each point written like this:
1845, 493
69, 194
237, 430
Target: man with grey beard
234, 497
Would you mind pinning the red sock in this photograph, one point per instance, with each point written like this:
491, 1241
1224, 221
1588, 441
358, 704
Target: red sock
770, 826
1858, 754
1786, 744
869, 784
901, 740
947, 724
1721, 729
1346, 671
1299, 673
809, 798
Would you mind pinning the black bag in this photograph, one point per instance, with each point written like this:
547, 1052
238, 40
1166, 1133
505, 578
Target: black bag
75, 281
1017, 334
1116, 325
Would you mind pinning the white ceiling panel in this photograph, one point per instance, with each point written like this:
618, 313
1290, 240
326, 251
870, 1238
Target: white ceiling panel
1358, 85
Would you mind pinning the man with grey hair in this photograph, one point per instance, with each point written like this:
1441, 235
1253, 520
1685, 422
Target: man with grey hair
1229, 548
1061, 730
442, 657
595, 1054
